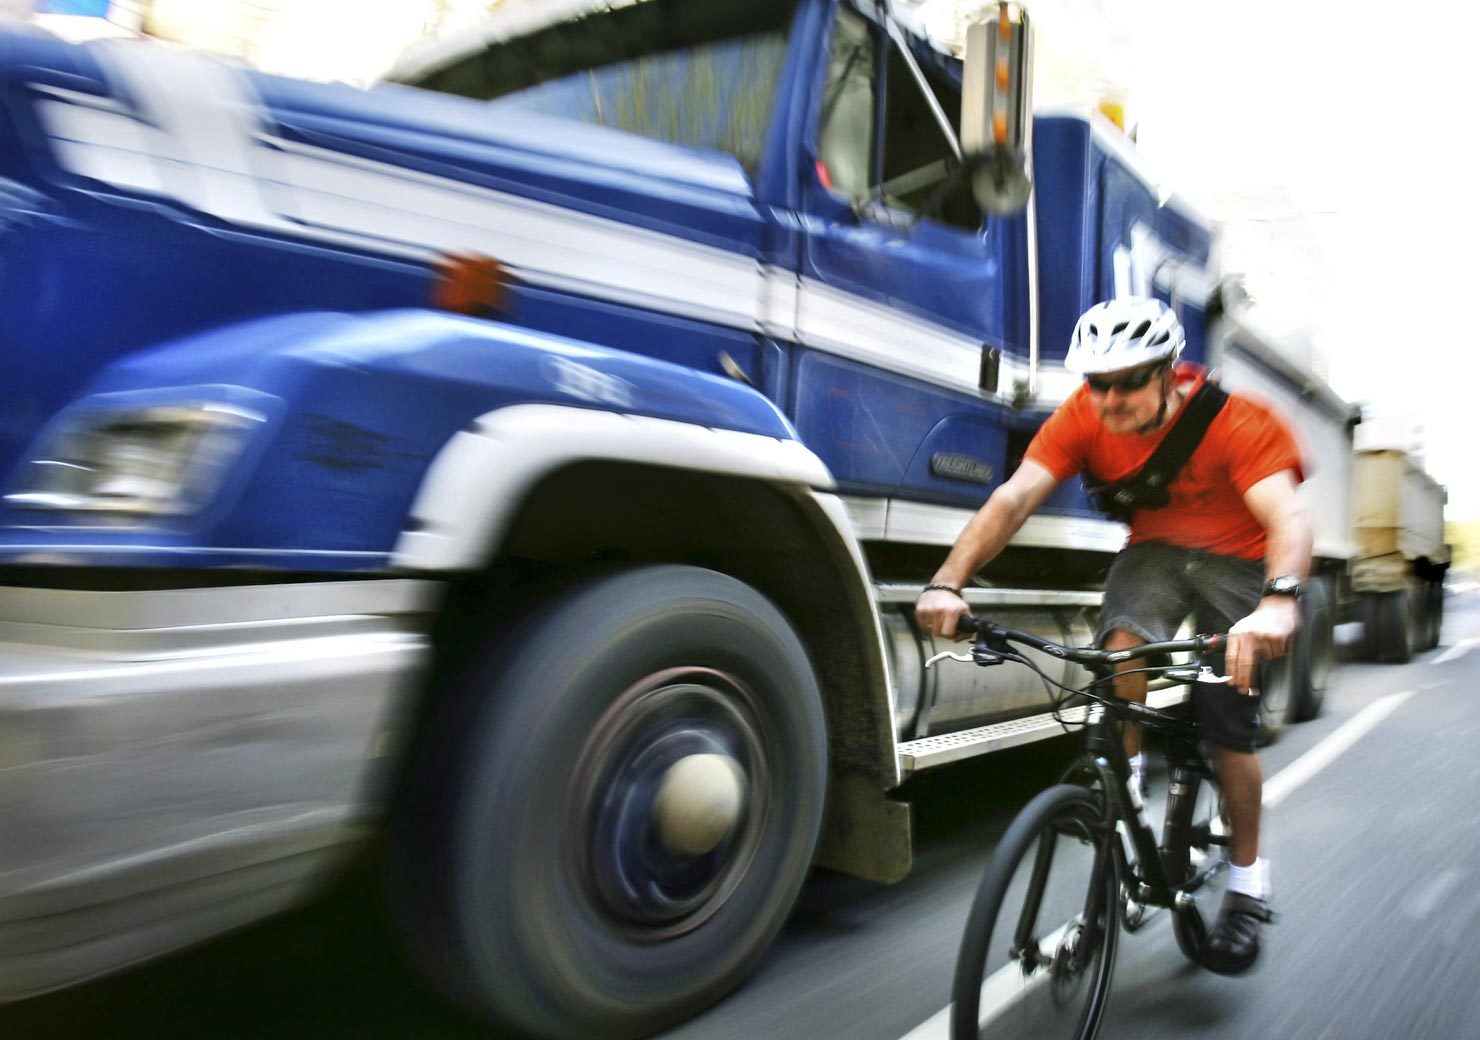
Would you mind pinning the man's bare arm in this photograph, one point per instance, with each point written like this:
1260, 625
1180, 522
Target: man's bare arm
983, 538
1265, 634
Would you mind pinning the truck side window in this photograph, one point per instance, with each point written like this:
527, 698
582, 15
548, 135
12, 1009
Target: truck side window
671, 70
845, 146
917, 158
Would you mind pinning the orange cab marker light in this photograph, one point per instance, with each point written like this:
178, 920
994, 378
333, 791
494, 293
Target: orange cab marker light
999, 127
470, 284
824, 177
1004, 23
1003, 75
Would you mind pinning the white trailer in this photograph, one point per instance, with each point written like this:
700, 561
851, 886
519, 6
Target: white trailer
1398, 572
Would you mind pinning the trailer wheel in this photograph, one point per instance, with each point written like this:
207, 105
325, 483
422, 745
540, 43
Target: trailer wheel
617, 809
1371, 647
1434, 601
1389, 625
1315, 651
1277, 691
1418, 619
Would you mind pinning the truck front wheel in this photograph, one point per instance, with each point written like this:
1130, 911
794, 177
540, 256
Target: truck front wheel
615, 812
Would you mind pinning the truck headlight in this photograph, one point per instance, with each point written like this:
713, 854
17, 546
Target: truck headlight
166, 460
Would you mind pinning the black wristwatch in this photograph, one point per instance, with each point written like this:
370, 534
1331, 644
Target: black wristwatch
1284, 585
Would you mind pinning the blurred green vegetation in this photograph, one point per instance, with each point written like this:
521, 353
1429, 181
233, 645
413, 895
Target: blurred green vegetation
1464, 538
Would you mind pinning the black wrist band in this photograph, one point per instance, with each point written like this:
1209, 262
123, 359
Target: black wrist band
944, 588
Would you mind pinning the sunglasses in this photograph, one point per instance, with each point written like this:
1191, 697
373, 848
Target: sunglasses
1126, 383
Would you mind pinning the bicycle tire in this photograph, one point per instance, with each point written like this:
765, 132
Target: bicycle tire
1201, 813
1081, 903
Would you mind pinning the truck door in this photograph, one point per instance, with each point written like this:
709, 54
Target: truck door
901, 285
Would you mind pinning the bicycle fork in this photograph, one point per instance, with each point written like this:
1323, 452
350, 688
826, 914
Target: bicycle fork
1025, 945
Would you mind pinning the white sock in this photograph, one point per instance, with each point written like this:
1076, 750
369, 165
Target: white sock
1249, 880
1138, 767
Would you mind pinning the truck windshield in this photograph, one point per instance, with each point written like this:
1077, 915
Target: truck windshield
701, 75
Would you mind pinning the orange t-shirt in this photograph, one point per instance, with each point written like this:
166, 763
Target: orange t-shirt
1243, 445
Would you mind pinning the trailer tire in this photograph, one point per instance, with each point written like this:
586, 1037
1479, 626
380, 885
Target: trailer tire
1371, 648
1390, 628
1434, 602
1277, 692
539, 879
1315, 650
1418, 619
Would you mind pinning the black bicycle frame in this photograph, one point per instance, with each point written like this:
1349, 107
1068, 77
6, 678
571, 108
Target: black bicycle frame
1106, 751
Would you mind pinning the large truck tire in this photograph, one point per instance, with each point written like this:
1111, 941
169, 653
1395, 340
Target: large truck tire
616, 810
1277, 692
1388, 623
1371, 649
1314, 651
1418, 618
1434, 614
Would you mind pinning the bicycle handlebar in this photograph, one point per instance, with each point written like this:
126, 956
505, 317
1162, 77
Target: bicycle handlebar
988, 630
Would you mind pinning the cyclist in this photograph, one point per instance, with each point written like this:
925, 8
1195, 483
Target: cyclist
1230, 549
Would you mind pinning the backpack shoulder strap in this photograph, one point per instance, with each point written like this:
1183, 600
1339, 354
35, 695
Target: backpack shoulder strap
1183, 438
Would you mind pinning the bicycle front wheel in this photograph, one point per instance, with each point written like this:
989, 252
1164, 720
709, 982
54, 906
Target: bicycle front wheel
1039, 946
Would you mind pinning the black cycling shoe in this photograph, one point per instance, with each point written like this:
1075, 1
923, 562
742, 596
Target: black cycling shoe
1233, 944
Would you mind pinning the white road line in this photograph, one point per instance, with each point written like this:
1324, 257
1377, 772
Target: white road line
1276, 789
935, 1027
999, 991
1456, 651
1327, 751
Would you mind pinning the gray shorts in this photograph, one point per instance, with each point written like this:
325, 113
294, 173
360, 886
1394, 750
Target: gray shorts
1153, 587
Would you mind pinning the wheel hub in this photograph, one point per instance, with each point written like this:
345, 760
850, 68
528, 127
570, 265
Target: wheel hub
667, 794
1068, 965
698, 803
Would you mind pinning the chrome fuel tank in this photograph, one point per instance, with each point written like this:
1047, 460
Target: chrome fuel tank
954, 696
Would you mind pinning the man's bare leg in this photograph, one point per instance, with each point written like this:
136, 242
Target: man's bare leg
1129, 687
1233, 941
1243, 793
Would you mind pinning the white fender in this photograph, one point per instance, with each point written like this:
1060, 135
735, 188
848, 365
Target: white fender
476, 482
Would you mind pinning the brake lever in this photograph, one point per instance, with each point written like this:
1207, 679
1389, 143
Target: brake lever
1203, 675
979, 655
945, 654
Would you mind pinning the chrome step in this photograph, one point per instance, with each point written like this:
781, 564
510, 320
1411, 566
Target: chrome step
928, 752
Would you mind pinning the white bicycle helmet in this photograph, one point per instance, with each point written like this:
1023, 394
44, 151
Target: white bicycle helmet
1124, 333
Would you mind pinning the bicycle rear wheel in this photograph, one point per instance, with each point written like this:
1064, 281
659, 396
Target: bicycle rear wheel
1039, 946
1199, 810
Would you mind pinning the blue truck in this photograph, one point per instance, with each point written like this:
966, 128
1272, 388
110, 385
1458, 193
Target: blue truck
521, 472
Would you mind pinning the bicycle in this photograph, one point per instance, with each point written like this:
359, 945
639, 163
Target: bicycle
1044, 969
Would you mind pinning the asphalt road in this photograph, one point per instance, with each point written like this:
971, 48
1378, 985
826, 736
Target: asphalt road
1375, 851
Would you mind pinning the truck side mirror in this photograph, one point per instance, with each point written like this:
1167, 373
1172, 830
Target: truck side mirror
996, 110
